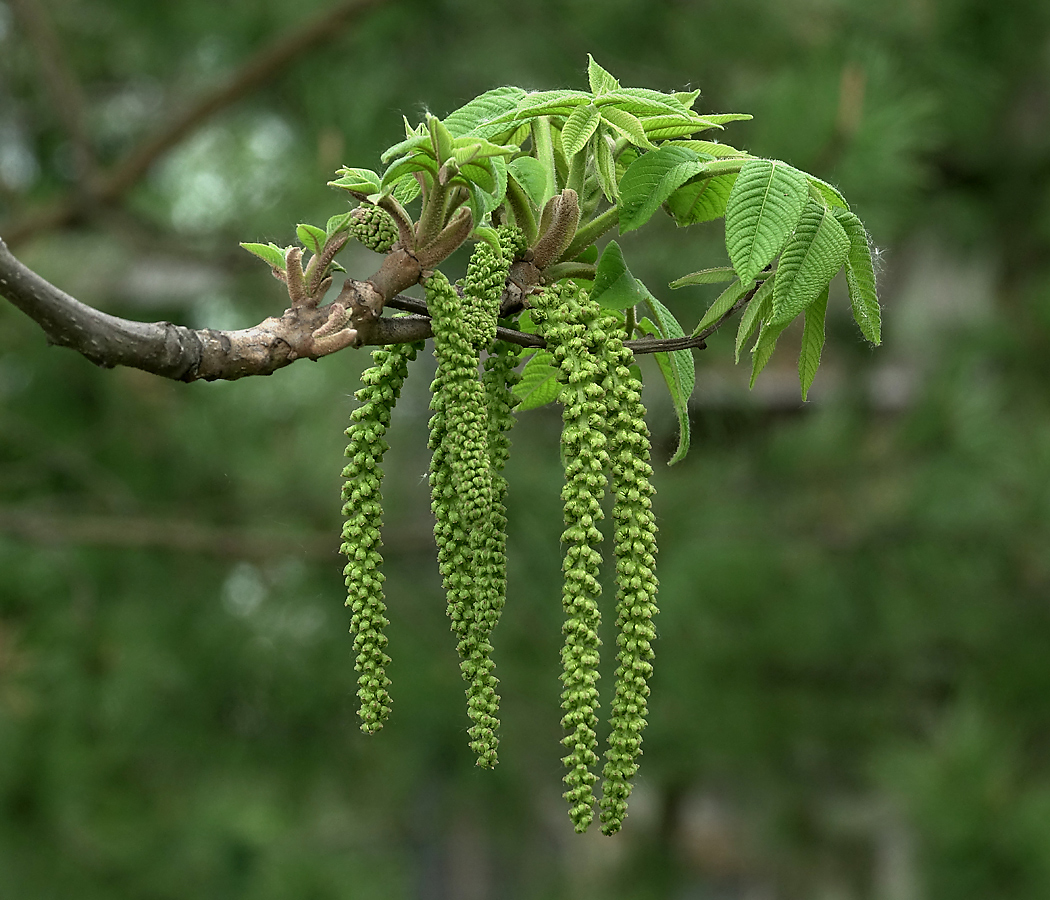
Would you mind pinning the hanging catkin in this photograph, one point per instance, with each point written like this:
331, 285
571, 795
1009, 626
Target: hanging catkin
635, 543
466, 527
362, 506
564, 315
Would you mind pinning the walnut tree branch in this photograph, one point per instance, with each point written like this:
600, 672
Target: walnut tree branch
191, 354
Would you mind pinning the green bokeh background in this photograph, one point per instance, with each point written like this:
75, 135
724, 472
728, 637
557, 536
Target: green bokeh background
852, 688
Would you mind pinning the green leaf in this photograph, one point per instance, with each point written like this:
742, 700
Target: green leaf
405, 166
729, 165
816, 251
764, 347
677, 369
860, 278
812, 342
826, 193
627, 125
614, 285
605, 167
702, 200
539, 384
705, 276
763, 209
482, 110
641, 106
337, 224
659, 128
650, 180
363, 181
601, 81
589, 254
409, 145
711, 148
312, 237
466, 149
757, 310
268, 253
548, 103
671, 101
531, 174
723, 303
686, 98
488, 235
481, 174
578, 129
407, 190
722, 118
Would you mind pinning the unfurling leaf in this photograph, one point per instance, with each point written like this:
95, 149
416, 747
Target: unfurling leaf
360, 181
601, 81
578, 128
312, 237
269, 253
763, 209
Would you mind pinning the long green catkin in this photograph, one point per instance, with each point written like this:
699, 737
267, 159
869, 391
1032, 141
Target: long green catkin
362, 506
635, 547
564, 315
461, 482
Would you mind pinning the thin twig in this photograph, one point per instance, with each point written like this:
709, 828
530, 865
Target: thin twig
257, 70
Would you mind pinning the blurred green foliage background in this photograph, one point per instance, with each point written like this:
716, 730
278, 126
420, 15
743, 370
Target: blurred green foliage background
852, 689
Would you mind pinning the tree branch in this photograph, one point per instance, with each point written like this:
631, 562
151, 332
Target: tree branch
191, 354
257, 70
